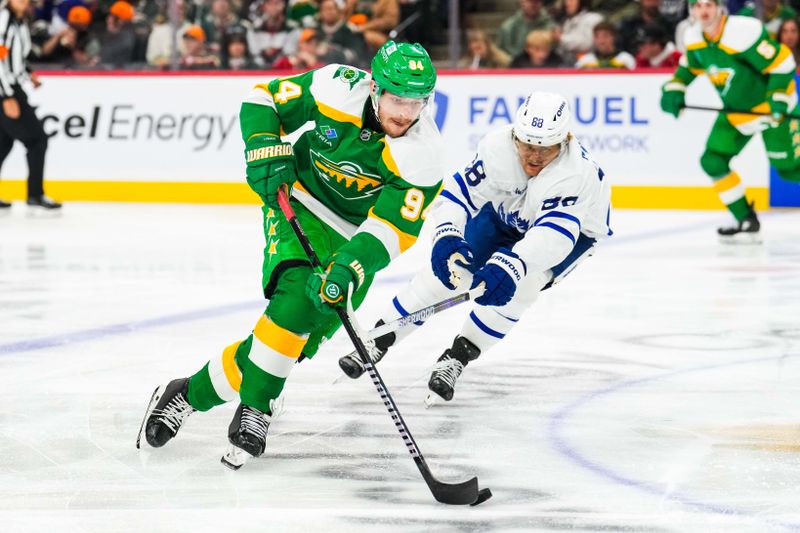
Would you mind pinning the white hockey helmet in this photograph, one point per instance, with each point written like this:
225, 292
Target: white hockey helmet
543, 119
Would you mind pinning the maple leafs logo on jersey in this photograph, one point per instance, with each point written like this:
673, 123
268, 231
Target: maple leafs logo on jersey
721, 77
513, 219
347, 179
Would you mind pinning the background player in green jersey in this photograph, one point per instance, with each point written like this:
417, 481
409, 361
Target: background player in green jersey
751, 72
363, 156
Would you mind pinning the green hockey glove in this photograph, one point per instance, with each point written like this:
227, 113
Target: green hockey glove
673, 98
270, 164
330, 289
778, 105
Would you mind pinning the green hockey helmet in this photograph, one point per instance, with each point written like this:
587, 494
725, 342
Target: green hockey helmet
403, 69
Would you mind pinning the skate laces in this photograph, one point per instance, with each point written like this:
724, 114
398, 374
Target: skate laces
448, 370
375, 354
254, 421
257, 422
175, 412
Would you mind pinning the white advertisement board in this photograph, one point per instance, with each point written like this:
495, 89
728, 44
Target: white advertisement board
185, 128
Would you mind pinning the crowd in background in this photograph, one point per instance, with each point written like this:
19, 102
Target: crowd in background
305, 34
609, 33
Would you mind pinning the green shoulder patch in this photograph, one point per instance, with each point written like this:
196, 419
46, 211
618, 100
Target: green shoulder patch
349, 75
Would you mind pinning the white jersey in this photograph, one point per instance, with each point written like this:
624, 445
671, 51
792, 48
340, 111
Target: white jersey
570, 196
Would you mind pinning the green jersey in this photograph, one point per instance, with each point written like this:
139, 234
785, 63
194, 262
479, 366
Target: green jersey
745, 65
372, 189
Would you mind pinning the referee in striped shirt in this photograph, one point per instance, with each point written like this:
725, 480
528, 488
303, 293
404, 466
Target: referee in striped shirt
18, 121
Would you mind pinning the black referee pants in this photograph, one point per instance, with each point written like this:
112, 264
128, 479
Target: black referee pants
29, 131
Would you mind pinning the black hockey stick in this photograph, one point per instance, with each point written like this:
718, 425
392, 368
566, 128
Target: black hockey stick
720, 110
454, 494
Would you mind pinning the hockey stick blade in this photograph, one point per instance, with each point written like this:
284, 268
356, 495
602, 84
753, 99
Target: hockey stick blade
465, 493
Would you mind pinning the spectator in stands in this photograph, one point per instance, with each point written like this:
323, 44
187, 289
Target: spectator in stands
789, 34
159, 44
381, 17
615, 11
656, 50
574, 31
273, 38
235, 54
196, 55
302, 14
69, 46
674, 11
538, 52
482, 53
333, 30
771, 12
215, 22
117, 42
631, 29
310, 54
605, 53
515, 29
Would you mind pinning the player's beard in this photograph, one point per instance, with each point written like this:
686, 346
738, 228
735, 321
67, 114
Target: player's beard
395, 126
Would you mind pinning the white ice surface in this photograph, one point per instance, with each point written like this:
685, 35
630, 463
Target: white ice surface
656, 389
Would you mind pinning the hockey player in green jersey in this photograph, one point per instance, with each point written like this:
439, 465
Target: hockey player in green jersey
362, 155
751, 72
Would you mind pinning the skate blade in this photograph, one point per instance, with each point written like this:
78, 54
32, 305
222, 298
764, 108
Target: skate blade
339, 379
431, 399
235, 458
153, 401
741, 238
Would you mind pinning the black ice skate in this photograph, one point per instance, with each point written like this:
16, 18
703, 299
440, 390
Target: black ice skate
449, 367
166, 413
351, 363
745, 231
248, 434
45, 202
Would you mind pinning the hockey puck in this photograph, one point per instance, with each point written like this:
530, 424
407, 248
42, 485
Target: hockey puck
483, 495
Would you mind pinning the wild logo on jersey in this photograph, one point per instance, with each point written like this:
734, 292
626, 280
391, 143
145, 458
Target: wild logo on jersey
347, 179
721, 77
349, 75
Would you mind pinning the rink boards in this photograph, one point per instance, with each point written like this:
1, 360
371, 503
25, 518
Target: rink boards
175, 138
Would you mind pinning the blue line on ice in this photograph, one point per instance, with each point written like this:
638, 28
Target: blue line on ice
560, 418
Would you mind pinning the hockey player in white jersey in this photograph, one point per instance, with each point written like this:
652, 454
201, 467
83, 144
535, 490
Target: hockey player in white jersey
530, 206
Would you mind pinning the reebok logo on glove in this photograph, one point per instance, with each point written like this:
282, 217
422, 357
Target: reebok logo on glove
268, 152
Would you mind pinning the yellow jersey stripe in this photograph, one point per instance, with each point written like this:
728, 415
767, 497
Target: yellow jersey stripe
783, 54
405, 240
337, 115
737, 119
232, 373
730, 181
281, 340
388, 160
263, 87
